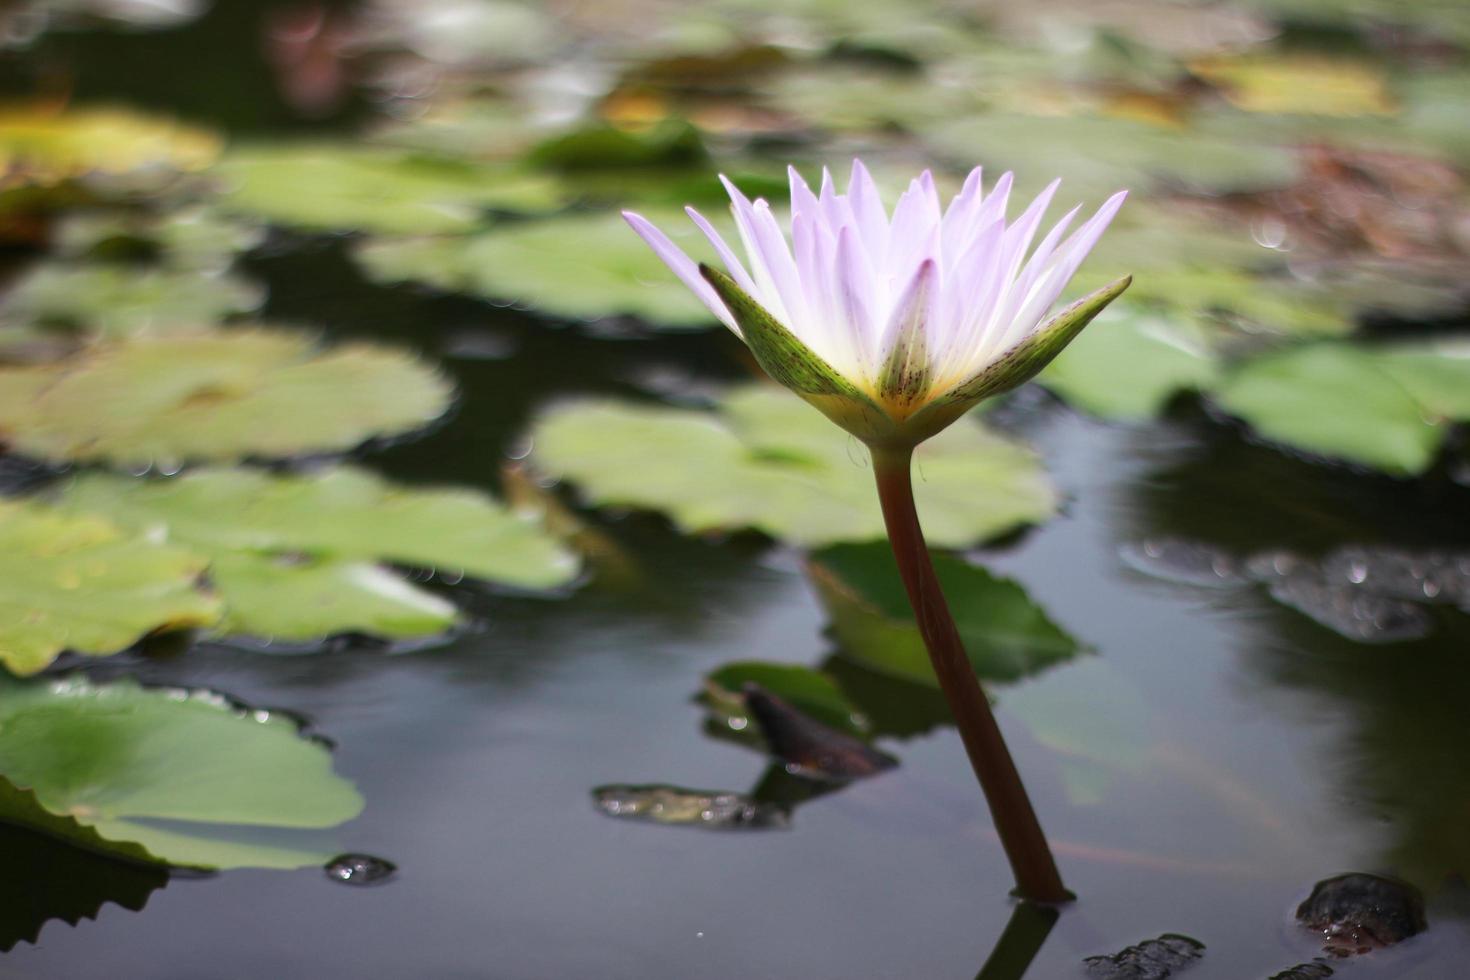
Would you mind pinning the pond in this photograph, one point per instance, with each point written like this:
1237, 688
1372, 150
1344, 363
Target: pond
1229, 531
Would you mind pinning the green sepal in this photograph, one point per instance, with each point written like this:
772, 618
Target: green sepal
1019, 364
793, 364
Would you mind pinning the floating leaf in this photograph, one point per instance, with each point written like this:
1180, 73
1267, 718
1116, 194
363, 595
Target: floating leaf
79, 583
295, 558
1006, 635
1130, 364
768, 461
242, 392
125, 300
116, 757
1334, 400
578, 267
192, 238
1299, 83
328, 187
1436, 375
43, 146
296, 600
1095, 156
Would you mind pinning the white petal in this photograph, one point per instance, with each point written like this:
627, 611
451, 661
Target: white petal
867, 210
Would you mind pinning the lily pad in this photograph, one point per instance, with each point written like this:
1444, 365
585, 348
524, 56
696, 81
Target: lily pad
191, 238
40, 145
77, 582
244, 392
1006, 635
292, 599
1337, 400
767, 461
1299, 84
1131, 363
117, 757
324, 187
124, 300
576, 267
297, 558
1096, 156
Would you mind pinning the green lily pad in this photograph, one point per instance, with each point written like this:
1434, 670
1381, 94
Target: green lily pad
575, 267
117, 757
1436, 375
1095, 156
806, 689
192, 238
224, 395
1006, 635
324, 187
1335, 400
767, 461
126, 300
77, 582
1131, 363
288, 598
297, 558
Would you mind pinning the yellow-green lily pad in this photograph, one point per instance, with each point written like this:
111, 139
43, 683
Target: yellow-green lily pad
326, 187
767, 461
80, 583
121, 300
573, 267
296, 557
257, 392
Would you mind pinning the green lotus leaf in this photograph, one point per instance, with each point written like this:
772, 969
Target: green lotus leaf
327, 187
575, 267
296, 559
123, 300
77, 582
1436, 375
192, 238
1006, 635
244, 392
168, 774
1130, 363
1337, 400
765, 460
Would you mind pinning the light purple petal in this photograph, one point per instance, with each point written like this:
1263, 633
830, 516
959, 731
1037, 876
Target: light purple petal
727, 255
682, 265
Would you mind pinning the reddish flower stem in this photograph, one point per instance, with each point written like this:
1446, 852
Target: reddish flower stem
1020, 833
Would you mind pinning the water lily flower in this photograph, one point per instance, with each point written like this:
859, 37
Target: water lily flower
894, 326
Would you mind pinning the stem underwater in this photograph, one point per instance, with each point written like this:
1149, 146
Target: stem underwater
1020, 832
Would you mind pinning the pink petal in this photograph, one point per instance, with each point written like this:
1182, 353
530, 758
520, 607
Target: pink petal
682, 265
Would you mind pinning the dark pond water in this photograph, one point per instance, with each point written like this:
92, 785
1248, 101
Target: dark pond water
1255, 752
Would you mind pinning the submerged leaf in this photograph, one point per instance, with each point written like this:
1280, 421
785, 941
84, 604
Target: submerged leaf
680, 807
117, 757
77, 582
244, 392
768, 461
808, 690
1006, 635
